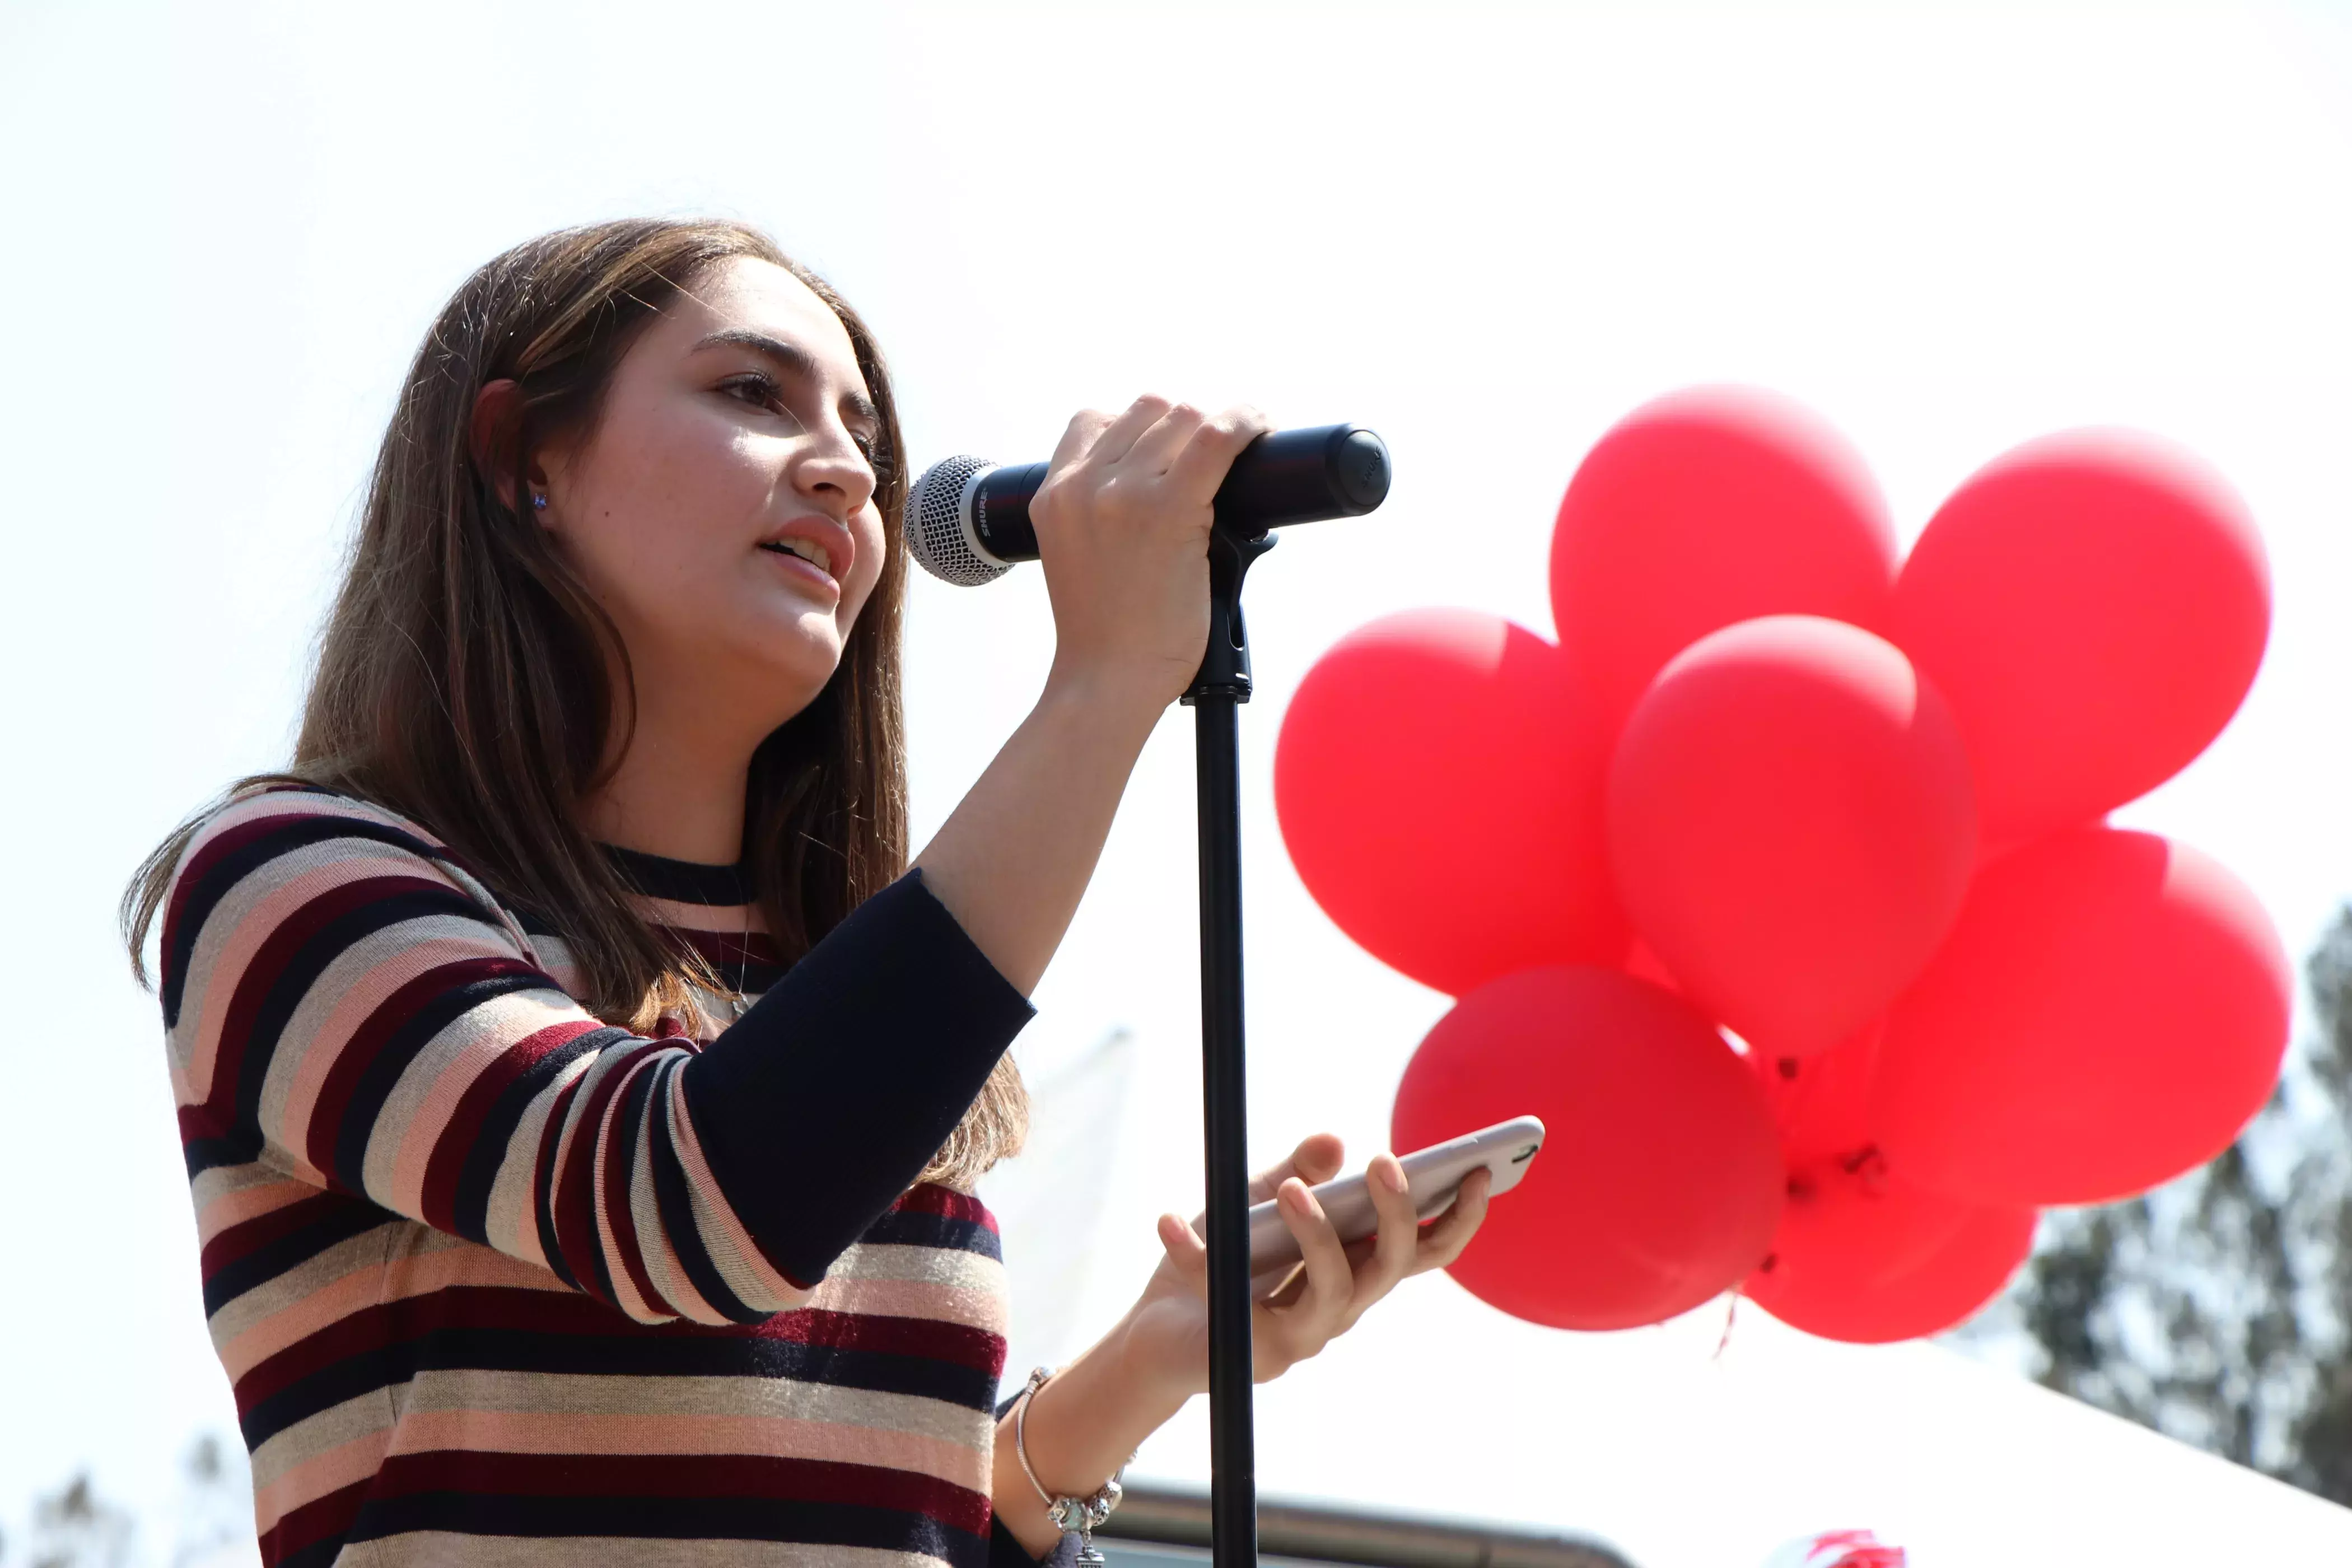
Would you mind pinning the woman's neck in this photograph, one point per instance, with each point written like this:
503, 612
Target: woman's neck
677, 793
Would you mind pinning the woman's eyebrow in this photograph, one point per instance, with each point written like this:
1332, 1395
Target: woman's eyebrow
791, 358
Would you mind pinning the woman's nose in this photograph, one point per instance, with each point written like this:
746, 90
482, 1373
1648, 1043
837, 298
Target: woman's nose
834, 464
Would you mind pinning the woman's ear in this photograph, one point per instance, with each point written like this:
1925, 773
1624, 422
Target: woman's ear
491, 439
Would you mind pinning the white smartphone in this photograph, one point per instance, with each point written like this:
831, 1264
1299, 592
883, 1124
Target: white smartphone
1432, 1177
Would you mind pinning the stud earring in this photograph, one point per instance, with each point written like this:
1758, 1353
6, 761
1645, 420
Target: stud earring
538, 500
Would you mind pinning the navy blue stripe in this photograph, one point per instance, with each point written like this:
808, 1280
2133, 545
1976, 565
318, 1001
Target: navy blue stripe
307, 963
268, 1261
670, 1196
626, 1124
391, 1057
479, 1174
231, 868
237, 1146
684, 881
903, 1229
542, 1182
782, 1520
642, 1354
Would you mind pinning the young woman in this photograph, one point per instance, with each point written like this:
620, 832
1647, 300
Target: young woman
581, 1094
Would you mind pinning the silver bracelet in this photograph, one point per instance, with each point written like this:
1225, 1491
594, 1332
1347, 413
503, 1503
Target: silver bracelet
1083, 1514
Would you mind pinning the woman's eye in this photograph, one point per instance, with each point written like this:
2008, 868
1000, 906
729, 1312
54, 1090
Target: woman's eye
756, 389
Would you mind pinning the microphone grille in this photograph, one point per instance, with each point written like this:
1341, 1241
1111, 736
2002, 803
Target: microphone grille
939, 526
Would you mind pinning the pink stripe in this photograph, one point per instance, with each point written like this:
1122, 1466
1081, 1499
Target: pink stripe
624, 1288
771, 1436
340, 1466
366, 995
248, 1203
255, 923
497, 1026
662, 1262
418, 1274
776, 1287
923, 1299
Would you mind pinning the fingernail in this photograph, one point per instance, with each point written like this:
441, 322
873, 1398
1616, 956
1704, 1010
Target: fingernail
1393, 1176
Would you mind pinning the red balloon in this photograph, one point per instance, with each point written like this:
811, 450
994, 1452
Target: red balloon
1658, 1186
1789, 821
1868, 1258
1821, 1103
2094, 605
2109, 1011
1705, 508
1438, 782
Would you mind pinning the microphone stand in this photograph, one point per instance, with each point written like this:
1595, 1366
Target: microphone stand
1217, 692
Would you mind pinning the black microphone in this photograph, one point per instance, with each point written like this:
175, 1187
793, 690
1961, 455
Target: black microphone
967, 518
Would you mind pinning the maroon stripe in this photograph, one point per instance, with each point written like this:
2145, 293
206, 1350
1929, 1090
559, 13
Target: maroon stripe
368, 1328
617, 1208
447, 1166
219, 846
261, 974
566, 1313
575, 1179
357, 1054
542, 1169
930, 1197
495, 1474
240, 1239
317, 1519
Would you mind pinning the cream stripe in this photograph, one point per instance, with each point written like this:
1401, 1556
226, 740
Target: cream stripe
655, 1242
316, 1477
512, 1223
249, 913
235, 1207
440, 1549
355, 986
507, 1432
362, 1253
338, 1425
775, 1398
740, 1263
874, 1260
417, 1112
969, 1306
625, 1293
415, 1270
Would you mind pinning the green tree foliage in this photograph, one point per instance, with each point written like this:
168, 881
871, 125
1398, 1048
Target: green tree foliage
2215, 1309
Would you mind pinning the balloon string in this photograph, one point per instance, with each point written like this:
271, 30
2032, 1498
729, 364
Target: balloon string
1730, 1316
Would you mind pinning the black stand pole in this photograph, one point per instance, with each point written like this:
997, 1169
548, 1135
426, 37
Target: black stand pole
1223, 685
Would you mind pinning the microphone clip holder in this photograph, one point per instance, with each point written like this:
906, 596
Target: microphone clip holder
1226, 664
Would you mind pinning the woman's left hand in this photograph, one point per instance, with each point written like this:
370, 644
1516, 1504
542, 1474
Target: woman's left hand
1168, 1329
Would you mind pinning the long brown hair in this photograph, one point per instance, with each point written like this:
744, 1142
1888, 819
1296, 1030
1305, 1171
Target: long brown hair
465, 676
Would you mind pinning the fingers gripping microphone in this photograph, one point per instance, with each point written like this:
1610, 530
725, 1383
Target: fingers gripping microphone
967, 518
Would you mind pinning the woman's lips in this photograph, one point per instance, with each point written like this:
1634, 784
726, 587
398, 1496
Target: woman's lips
803, 572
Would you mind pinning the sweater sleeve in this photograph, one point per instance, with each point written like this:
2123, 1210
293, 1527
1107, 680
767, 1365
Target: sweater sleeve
345, 1004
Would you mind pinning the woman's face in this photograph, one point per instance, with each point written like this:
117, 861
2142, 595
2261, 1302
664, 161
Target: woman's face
722, 511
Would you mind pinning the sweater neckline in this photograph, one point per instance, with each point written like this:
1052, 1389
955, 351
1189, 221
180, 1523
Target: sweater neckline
684, 881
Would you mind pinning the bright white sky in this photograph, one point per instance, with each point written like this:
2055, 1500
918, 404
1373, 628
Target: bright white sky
1485, 232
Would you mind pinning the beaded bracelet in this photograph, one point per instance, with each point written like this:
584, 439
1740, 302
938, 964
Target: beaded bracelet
1083, 1514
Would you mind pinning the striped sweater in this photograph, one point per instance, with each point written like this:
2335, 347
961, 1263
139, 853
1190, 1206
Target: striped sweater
496, 1282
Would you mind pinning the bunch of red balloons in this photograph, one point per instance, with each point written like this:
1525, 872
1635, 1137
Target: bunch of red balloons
1776, 783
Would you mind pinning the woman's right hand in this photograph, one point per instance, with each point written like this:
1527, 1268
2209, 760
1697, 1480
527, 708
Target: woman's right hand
1122, 524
